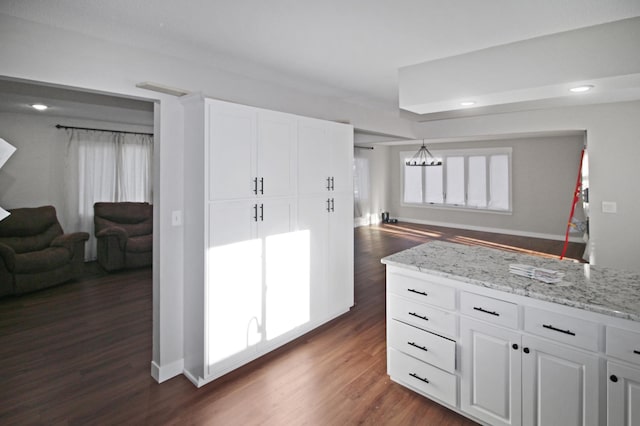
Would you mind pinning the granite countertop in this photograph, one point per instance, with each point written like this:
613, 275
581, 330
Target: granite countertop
602, 290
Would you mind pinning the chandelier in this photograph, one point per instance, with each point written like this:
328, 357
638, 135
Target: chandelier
423, 158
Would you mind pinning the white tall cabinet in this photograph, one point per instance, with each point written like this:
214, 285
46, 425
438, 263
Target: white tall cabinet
268, 231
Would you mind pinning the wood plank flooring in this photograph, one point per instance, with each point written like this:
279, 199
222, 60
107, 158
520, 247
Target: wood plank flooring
80, 353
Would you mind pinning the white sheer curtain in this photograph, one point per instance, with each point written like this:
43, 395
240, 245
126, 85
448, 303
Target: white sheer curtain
361, 185
104, 166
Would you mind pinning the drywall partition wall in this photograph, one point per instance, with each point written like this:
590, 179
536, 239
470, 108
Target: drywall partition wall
53, 55
613, 139
34, 175
543, 178
374, 199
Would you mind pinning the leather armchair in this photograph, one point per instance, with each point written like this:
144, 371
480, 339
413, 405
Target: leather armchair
35, 253
124, 232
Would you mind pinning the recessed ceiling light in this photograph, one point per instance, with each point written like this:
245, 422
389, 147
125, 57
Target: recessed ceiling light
580, 89
467, 103
40, 107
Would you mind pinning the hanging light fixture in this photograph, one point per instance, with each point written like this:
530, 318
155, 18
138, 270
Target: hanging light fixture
423, 158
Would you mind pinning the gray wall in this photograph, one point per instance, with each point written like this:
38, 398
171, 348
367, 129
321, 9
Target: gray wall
544, 172
34, 175
614, 152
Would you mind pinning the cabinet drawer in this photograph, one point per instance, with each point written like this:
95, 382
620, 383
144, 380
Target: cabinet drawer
423, 345
489, 309
423, 316
623, 344
423, 377
422, 290
562, 328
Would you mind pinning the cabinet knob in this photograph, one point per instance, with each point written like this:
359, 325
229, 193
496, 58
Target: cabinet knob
515, 346
525, 350
613, 378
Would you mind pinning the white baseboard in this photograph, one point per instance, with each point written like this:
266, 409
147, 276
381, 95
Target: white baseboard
166, 372
556, 237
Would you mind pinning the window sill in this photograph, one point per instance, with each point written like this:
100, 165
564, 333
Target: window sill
459, 209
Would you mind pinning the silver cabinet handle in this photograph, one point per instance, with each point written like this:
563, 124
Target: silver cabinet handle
255, 185
255, 212
328, 184
262, 212
262, 185
332, 205
328, 204
332, 188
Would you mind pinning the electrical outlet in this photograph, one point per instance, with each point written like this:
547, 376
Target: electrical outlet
609, 207
176, 218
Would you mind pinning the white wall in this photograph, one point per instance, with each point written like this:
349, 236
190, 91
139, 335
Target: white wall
544, 172
34, 175
613, 139
43, 53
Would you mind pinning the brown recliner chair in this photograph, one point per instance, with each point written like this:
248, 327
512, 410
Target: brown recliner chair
35, 253
124, 232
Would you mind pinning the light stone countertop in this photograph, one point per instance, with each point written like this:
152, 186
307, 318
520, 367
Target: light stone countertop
602, 290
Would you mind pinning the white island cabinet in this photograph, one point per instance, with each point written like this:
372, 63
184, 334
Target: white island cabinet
260, 264
507, 350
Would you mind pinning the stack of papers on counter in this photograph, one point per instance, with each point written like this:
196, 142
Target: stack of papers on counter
545, 275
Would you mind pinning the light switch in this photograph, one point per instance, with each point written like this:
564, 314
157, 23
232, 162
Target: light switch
609, 207
176, 218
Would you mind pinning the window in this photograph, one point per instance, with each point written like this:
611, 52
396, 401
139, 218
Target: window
478, 179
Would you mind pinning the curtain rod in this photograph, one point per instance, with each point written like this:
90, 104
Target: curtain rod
60, 126
363, 147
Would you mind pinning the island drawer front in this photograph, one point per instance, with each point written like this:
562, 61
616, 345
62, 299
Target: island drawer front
429, 380
561, 328
422, 290
623, 344
489, 309
423, 345
422, 316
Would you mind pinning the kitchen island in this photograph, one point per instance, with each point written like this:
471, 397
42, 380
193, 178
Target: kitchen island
504, 349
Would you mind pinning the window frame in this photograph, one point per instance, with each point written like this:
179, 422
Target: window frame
466, 153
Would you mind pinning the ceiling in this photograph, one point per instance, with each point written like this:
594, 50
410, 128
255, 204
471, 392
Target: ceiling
349, 50
18, 96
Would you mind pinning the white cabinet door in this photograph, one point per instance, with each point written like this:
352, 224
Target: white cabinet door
341, 158
340, 282
313, 222
623, 395
234, 284
232, 150
315, 151
559, 385
276, 154
491, 373
286, 269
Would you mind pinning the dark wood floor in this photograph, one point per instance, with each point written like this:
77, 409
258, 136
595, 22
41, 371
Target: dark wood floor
80, 354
